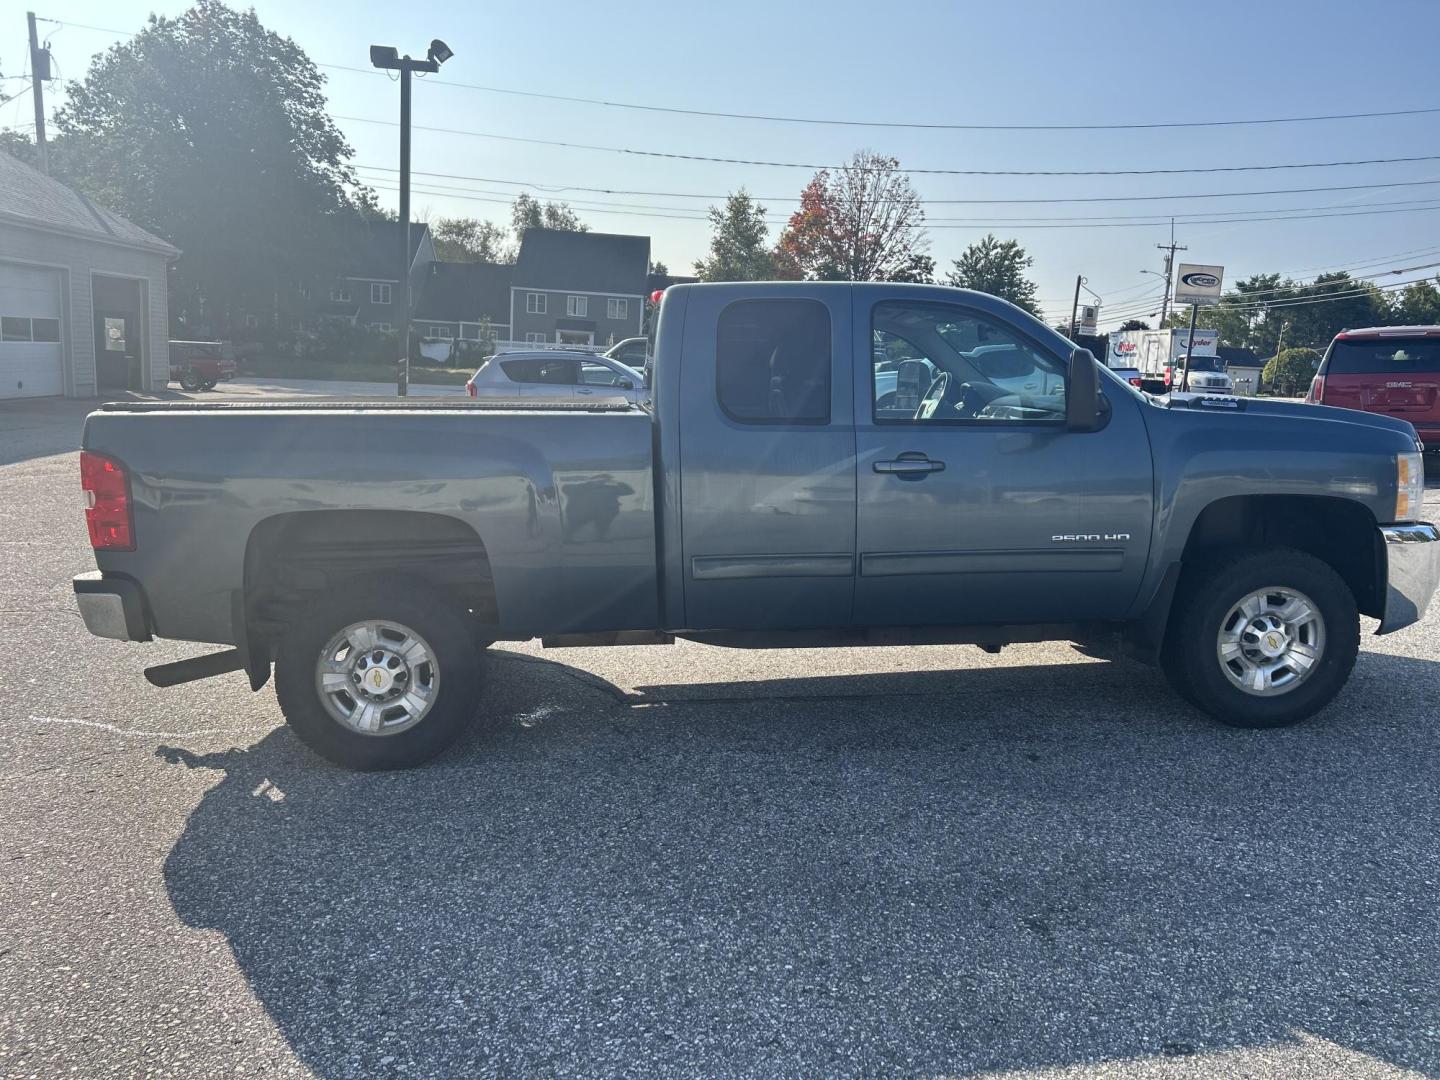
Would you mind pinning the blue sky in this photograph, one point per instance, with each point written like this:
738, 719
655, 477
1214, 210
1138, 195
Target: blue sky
1015, 63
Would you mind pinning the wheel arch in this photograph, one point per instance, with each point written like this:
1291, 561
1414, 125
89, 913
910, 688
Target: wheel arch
296, 554
1340, 532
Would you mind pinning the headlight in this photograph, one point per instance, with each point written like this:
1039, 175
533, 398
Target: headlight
1409, 486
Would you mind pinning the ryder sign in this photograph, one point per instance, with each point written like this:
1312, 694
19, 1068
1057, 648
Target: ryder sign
1195, 284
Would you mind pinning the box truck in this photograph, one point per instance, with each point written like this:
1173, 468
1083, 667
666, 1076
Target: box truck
1159, 356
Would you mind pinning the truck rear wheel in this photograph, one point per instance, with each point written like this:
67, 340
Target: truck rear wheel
381, 676
1262, 639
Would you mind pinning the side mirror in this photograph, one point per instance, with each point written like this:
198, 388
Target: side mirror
1315, 363
626, 384
1082, 393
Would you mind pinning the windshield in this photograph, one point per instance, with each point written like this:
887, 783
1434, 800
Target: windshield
1389, 356
1202, 363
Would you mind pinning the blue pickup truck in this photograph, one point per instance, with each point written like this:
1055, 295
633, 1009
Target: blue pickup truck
818, 464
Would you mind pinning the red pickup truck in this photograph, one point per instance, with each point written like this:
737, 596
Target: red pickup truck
199, 365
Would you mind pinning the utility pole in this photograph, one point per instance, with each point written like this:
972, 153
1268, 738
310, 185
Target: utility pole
388, 57
1075, 306
39, 74
1169, 250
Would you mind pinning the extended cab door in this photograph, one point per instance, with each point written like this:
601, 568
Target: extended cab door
767, 458
976, 505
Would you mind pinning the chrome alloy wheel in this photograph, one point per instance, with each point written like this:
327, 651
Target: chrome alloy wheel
377, 677
1271, 641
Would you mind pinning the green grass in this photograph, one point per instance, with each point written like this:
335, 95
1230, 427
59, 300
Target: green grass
280, 368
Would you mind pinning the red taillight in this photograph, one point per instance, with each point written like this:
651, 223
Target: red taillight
107, 503
470, 389
1317, 390
1169, 373
1137, 382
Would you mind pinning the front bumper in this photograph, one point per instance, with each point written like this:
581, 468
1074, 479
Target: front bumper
112, 607
1412, 571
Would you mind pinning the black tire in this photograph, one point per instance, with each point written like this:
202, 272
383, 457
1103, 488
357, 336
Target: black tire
444, 626
208, 384
1207, 595
190, 382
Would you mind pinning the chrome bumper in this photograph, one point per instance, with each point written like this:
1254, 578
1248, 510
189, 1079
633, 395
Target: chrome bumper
111, 607
1412, 570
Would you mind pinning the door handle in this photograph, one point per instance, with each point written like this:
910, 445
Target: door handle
910, 465
585, 391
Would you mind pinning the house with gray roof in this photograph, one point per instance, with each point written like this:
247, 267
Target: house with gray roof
365, 291
84, 309
578, 288
458, 298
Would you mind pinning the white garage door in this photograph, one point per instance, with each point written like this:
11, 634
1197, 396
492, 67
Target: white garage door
30, 349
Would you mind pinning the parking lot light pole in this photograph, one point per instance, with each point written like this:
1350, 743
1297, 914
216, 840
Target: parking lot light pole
389, 58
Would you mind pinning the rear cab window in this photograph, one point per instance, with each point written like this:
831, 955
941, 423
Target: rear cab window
772, 362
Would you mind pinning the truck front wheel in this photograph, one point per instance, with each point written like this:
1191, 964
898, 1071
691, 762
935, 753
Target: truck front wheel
380, 676
1262, 639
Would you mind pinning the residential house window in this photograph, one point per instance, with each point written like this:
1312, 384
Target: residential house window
252, 321
380, 292
617, 308
532, 338
340, 294
535, 303
577, 307
441, 332
304, 292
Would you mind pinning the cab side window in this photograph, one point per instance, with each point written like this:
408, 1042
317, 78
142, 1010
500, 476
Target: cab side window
938, 364
772, 362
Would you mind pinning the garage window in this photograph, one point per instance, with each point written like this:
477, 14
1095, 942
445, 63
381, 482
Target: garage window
23, 328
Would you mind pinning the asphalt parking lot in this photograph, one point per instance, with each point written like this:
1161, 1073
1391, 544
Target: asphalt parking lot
690, 861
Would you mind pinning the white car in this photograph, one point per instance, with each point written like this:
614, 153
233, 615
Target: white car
555, 375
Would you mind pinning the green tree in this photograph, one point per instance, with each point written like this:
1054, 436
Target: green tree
738, 249
1345, 302
1135, 324
529, 212
658, 267
212, 131
1290, 371
920, 270
861, 222
471, 240
1418, 304
997, 267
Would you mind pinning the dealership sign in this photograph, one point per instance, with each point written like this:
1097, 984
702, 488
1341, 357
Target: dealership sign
1089, 317
1195, 284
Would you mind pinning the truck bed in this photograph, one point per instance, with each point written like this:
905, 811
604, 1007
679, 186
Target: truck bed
561, 496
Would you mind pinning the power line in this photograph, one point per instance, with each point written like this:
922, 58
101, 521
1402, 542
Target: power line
1200, 218
1192, 217
913, 125
972, 202
833, 122
954, 223
811, 166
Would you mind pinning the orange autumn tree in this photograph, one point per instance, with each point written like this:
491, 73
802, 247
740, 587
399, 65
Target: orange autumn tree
861, 222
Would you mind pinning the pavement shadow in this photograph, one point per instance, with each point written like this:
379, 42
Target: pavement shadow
918, 874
